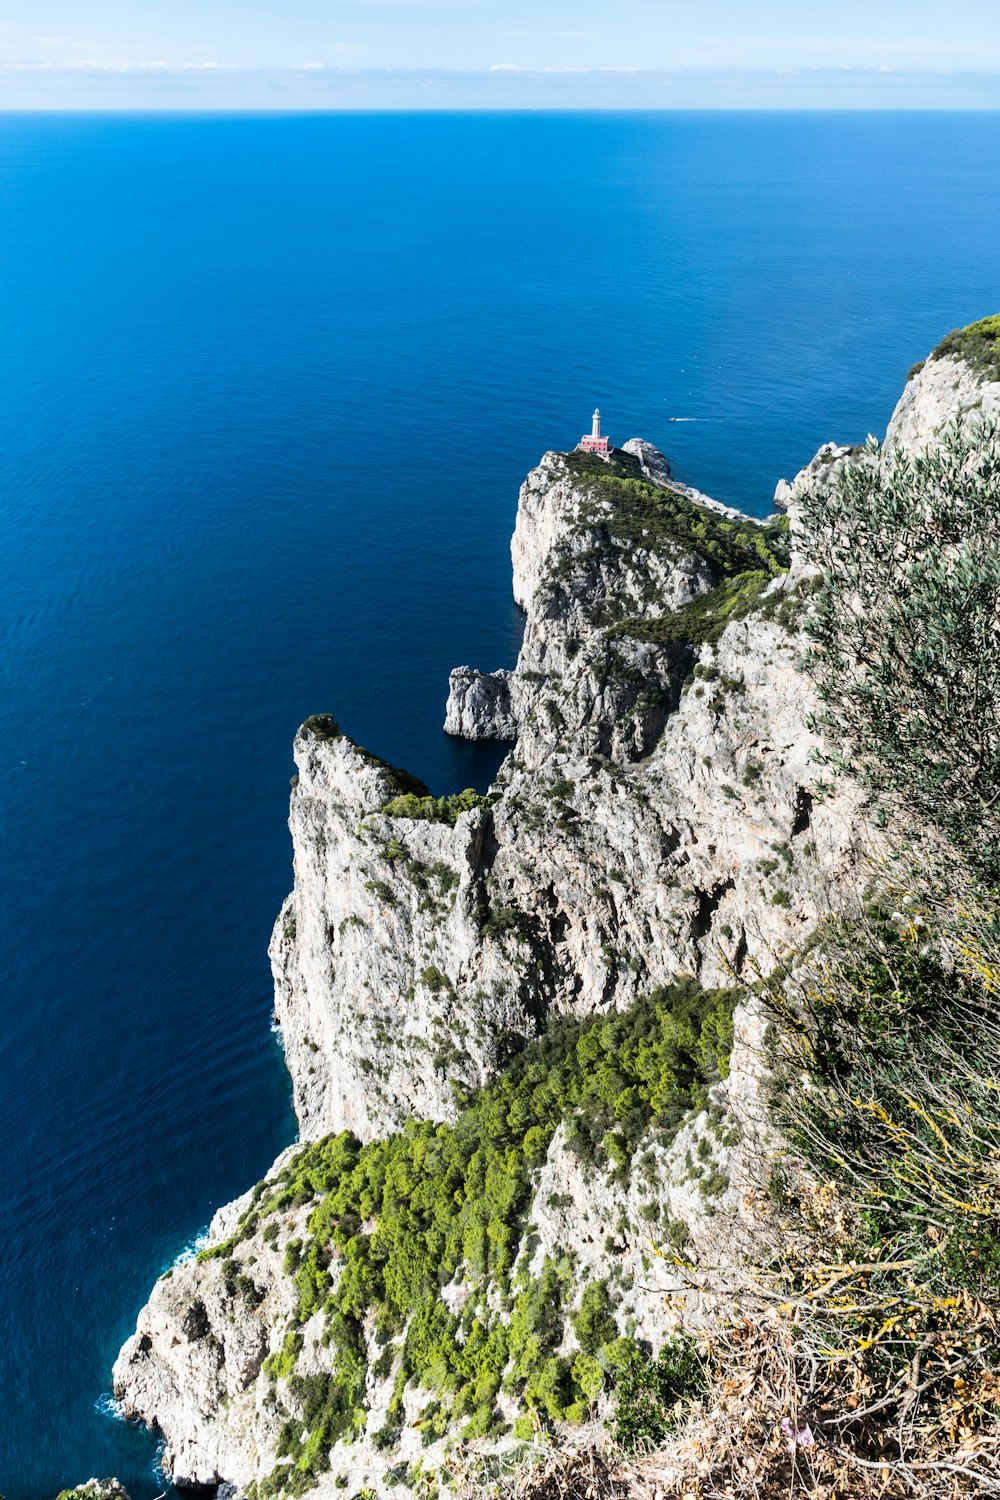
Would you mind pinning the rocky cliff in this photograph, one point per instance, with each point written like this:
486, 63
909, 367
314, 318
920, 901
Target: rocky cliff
95, 1489
397, 1294
662, 813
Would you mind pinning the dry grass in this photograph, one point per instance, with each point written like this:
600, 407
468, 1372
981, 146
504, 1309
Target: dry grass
772, 1428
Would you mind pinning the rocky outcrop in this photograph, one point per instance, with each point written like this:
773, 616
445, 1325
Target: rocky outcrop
942, 391
574, 575
390, 982
664, 813
192, 1367
816, 478
481, 705
656, 468
96, 1489
654, 464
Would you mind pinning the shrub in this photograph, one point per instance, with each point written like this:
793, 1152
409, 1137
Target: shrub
704, 620
905, 630
652, 1395
594, 1324
437, 809
887, 1062
322, 727
978, 345
634, 513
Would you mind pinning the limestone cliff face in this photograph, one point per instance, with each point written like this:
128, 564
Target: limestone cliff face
817, 477
195, 1365
571, 577
388, 982
662, 814
941, 391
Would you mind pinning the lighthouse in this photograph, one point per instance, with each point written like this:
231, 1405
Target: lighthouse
592, 442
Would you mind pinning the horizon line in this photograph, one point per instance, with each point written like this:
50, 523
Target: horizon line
142, 87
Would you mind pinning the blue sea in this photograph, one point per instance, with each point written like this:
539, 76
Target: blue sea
269, 386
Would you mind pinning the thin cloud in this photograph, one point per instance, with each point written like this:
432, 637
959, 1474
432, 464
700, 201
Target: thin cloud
66, 41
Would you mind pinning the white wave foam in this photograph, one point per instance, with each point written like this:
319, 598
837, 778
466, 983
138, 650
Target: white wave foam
107, 1406
156, 1467
191, 1249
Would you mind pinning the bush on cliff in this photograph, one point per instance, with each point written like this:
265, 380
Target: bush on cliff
978, 345
629, 515
430, 809
887, 1042
887, 1085
905, 630
396, 1220
705, 618
632, 513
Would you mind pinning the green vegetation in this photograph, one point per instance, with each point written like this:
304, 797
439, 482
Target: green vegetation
398, 1219
654, 1394
705, 618
905, 627
978, 345
322, 727
641, 515
382, 890
887, 1034
96, 1490
430, 809
903, 1047
629, 516
895, 1031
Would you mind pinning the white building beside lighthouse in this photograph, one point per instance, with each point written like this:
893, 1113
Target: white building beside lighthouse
592, 442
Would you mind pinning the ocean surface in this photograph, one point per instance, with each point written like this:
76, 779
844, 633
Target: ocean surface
269, 386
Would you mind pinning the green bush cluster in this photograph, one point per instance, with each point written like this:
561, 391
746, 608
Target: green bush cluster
322, 727
705, 618
744, 555
641, 515
653, 1393
978, 345
903, 1051
430, 809
905, 625
394, 1222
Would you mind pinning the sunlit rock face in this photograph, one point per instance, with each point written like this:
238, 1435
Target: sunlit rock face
661, 814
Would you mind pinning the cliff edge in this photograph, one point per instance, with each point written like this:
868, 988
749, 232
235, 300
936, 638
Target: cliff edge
522, 1027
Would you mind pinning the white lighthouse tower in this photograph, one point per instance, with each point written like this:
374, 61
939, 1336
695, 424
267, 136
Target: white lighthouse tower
592, 442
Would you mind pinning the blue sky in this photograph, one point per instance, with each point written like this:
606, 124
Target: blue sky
350, 53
